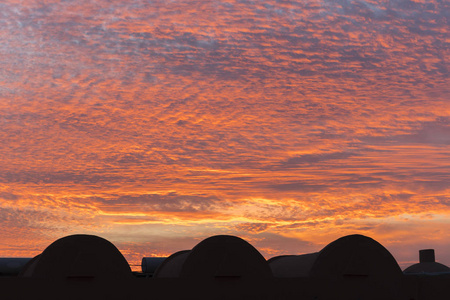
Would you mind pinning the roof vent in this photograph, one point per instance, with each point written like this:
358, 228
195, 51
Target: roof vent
427, 265
426, 255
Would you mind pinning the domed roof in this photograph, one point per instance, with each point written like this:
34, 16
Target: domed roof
79, 256
225, 256
355, 267
216, 256
427, 264
350, 256
355, 255
428, 267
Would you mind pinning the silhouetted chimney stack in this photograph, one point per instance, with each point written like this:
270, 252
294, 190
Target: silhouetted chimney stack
426, 256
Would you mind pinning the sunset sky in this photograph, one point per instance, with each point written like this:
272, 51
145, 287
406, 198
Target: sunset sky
156, 124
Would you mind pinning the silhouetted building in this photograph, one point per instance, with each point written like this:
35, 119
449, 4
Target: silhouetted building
427, 279
171, 267
78, 256
217, 256
353, 267
427, 264
12, 266
150, 264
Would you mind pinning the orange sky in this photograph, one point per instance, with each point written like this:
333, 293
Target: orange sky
156, 124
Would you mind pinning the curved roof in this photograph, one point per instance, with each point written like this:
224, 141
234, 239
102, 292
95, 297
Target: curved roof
150, 264
352, 255
290, 266
216, 256
79, 256
355, 255
12, 265
225, 256
427, 264
426, 267
28, 269
171, 266
352, 267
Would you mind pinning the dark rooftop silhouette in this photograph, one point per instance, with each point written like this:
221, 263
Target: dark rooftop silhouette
222, 267
427, 264
79, 255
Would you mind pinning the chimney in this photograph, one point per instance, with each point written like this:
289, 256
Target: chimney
426, 256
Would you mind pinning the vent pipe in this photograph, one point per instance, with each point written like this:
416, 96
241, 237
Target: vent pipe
426, 256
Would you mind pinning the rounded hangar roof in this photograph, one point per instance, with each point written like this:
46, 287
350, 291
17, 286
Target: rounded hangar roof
355, 255
78, 255
216, 256
352, 255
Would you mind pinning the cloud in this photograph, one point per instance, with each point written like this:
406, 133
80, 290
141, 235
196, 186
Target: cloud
298, 186
9, 196
32, 177
435, 132
317, 158
270, 244
253, 227
171, 202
